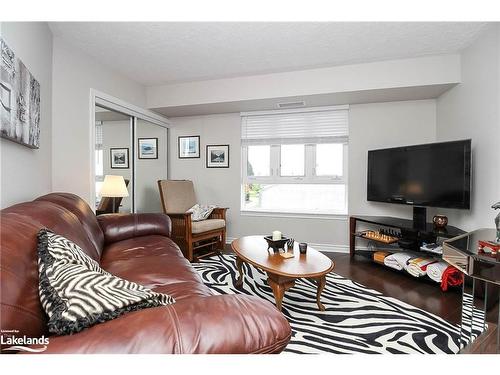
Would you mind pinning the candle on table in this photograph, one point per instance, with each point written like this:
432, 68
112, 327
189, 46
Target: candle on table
276, 235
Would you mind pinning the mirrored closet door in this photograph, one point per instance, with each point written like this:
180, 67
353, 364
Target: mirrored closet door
113, 146
150, 165
130, 157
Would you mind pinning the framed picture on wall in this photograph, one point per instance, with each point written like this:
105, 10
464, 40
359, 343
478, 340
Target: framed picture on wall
119, 158
148, 148
189, 147
19, 100
217, 156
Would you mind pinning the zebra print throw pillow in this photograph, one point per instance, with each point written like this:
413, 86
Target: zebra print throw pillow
77, 293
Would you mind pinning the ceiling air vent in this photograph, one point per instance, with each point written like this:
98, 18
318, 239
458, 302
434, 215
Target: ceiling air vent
292, 104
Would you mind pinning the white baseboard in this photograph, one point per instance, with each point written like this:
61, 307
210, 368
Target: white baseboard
229, 240
327, 248
330, 248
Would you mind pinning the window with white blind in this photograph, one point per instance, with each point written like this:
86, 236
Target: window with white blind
295, 161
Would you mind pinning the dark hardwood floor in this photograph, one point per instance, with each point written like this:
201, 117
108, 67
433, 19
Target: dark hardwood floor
423, 294
426, 295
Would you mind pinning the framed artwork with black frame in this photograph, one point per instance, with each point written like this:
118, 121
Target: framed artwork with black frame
119, 158
189, 147
148, 148
217, 156
20, 93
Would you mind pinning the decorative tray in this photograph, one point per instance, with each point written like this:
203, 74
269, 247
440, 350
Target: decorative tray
276, 245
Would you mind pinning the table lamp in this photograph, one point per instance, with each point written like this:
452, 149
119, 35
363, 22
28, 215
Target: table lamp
114, 187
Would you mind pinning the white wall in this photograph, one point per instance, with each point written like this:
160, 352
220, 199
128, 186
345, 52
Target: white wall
381, 125
27, 173
371, 126
471, 110
74, 74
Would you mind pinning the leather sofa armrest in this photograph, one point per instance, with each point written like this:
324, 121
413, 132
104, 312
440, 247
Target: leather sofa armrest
221, 324
119, 227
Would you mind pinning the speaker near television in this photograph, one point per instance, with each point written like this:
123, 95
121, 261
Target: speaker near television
426, 175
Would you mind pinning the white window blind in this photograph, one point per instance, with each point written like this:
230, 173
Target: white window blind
314, 125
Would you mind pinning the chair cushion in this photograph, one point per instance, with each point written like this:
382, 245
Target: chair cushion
207, 225
177, 195
76, 293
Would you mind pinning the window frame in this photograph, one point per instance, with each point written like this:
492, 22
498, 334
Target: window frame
279, 175
309, 177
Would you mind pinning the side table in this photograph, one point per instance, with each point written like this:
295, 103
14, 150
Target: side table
464, 253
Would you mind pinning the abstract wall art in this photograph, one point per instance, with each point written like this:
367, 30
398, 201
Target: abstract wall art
19, 100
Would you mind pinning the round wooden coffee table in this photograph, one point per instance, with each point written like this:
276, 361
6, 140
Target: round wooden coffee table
282, 272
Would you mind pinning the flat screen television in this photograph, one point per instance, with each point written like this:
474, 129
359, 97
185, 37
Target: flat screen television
427, 175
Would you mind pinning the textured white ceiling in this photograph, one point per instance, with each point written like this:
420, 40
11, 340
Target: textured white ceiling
158, 53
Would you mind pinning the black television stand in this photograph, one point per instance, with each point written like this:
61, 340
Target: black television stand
412, 232
419, 218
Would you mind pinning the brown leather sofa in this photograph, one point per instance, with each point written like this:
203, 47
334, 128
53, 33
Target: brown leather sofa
136, 247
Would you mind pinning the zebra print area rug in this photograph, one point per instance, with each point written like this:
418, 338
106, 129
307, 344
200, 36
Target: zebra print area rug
356, 320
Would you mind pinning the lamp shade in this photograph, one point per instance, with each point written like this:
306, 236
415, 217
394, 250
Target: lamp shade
114, 186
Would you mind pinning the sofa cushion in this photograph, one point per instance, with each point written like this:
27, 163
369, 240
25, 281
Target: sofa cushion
119, 227
83, 212
76, 293
155, 262
21, 309
59, 220
207, 225
216, 325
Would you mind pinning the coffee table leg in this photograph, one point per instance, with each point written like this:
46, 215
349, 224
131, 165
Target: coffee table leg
239, 265
321, 285
279, 285
278, 291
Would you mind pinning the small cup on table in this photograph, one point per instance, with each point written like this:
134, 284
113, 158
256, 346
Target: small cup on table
303, 247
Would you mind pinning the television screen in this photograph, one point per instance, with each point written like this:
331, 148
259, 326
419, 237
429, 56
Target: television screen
434, 174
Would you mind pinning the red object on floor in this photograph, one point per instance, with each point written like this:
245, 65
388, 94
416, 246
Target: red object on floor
451, 277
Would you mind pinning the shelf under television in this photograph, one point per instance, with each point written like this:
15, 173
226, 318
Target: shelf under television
424, 278
393, 247
363, 234
402, 229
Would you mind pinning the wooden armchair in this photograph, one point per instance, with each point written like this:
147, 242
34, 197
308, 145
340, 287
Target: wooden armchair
177, 196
